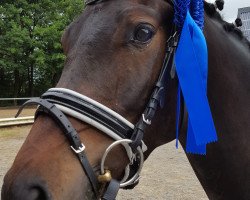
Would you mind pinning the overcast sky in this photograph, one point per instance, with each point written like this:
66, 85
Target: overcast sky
230, 10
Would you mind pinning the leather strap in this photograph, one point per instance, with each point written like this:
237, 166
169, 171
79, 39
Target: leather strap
89, 171
70, 133
112, 190
158, 96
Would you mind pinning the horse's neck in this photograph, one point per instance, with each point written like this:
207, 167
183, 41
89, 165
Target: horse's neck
225, 171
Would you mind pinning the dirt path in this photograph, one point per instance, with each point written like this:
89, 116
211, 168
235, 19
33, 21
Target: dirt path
166, 175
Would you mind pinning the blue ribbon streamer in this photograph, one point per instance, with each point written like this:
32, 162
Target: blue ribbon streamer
192, 67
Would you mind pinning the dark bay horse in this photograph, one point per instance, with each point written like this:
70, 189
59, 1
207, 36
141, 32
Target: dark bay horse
115, 51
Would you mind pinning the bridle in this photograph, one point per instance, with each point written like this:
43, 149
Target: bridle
57, 102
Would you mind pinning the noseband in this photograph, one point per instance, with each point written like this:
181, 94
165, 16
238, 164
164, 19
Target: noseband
57, 102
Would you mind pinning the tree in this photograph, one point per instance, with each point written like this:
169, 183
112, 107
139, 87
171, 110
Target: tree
30, 51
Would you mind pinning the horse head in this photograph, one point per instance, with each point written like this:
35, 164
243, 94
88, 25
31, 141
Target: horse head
115, 51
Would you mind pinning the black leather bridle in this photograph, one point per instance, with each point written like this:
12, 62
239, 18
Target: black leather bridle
50, 102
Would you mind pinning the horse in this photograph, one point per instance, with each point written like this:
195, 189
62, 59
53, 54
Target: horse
115, 51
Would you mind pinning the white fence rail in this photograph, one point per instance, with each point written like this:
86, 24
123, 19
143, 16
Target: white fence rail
14, 99
5, 122
8, 102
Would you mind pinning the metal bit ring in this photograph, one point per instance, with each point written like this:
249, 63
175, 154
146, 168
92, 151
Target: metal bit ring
141, 157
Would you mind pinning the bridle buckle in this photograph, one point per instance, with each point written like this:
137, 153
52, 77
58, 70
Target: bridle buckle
79, 150
147, 121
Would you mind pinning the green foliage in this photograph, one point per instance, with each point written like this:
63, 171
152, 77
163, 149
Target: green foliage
31, 56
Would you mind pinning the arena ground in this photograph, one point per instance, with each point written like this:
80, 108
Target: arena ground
166, 175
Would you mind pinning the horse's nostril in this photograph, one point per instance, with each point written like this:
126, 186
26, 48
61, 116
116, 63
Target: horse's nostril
32, 193
25, 189
37, 193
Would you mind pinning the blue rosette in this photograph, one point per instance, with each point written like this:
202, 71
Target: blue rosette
191, 61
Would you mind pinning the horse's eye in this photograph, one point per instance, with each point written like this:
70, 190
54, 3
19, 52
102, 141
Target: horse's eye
143, 33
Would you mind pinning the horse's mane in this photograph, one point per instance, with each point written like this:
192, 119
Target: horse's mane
228, 27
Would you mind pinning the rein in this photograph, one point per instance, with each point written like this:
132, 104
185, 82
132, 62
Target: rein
57, 102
